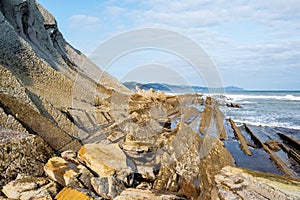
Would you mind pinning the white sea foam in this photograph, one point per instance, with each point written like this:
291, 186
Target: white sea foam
271, 124
237, 97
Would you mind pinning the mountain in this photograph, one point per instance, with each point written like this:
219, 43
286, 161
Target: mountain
178, 88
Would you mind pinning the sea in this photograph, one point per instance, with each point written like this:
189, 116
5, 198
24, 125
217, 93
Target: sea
267, 113
275, 109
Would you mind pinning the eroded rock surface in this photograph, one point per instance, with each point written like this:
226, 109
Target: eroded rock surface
237, 183
22, 153
28, 187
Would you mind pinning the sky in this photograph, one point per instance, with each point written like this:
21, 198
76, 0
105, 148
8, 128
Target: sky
252, 44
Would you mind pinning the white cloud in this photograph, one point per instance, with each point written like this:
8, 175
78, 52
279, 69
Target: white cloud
84, 22
239, 35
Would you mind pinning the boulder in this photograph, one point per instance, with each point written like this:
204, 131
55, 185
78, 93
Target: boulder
107, 187
140, 194
76, 194
68, 173
238, 183
22, 153
105, 160
28, 187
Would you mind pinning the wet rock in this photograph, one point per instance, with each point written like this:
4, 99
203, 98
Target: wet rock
28, 187
107, 187
273, 145
290, 140
76, 194
241, 138
105, 160
68, 174
22, 153
233, 105
238, 183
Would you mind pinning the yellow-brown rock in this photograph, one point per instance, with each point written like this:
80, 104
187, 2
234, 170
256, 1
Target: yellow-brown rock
67, 173
72, 194
105, 160
238, 183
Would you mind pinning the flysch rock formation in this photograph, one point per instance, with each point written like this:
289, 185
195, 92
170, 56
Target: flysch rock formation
71, 131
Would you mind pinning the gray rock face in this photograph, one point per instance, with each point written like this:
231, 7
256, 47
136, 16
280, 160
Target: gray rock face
21, 153
8, 122
108, 187
38, 67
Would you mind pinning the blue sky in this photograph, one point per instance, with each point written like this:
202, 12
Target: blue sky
253, 44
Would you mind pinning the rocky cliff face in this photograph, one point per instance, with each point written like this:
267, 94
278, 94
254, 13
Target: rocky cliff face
39, 87
40, 68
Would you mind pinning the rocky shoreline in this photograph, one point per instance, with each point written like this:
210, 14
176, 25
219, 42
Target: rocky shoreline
186, 161
70, 131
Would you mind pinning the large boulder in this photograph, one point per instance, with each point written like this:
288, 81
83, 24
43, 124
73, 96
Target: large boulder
105, 160
68, 173
22, 153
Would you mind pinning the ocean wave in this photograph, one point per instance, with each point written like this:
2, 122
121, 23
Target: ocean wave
271, 124
238, 97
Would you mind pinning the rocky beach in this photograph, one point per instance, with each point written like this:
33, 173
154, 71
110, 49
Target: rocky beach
69, 130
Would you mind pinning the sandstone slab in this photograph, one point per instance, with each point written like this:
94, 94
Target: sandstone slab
68, 173
105, 160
